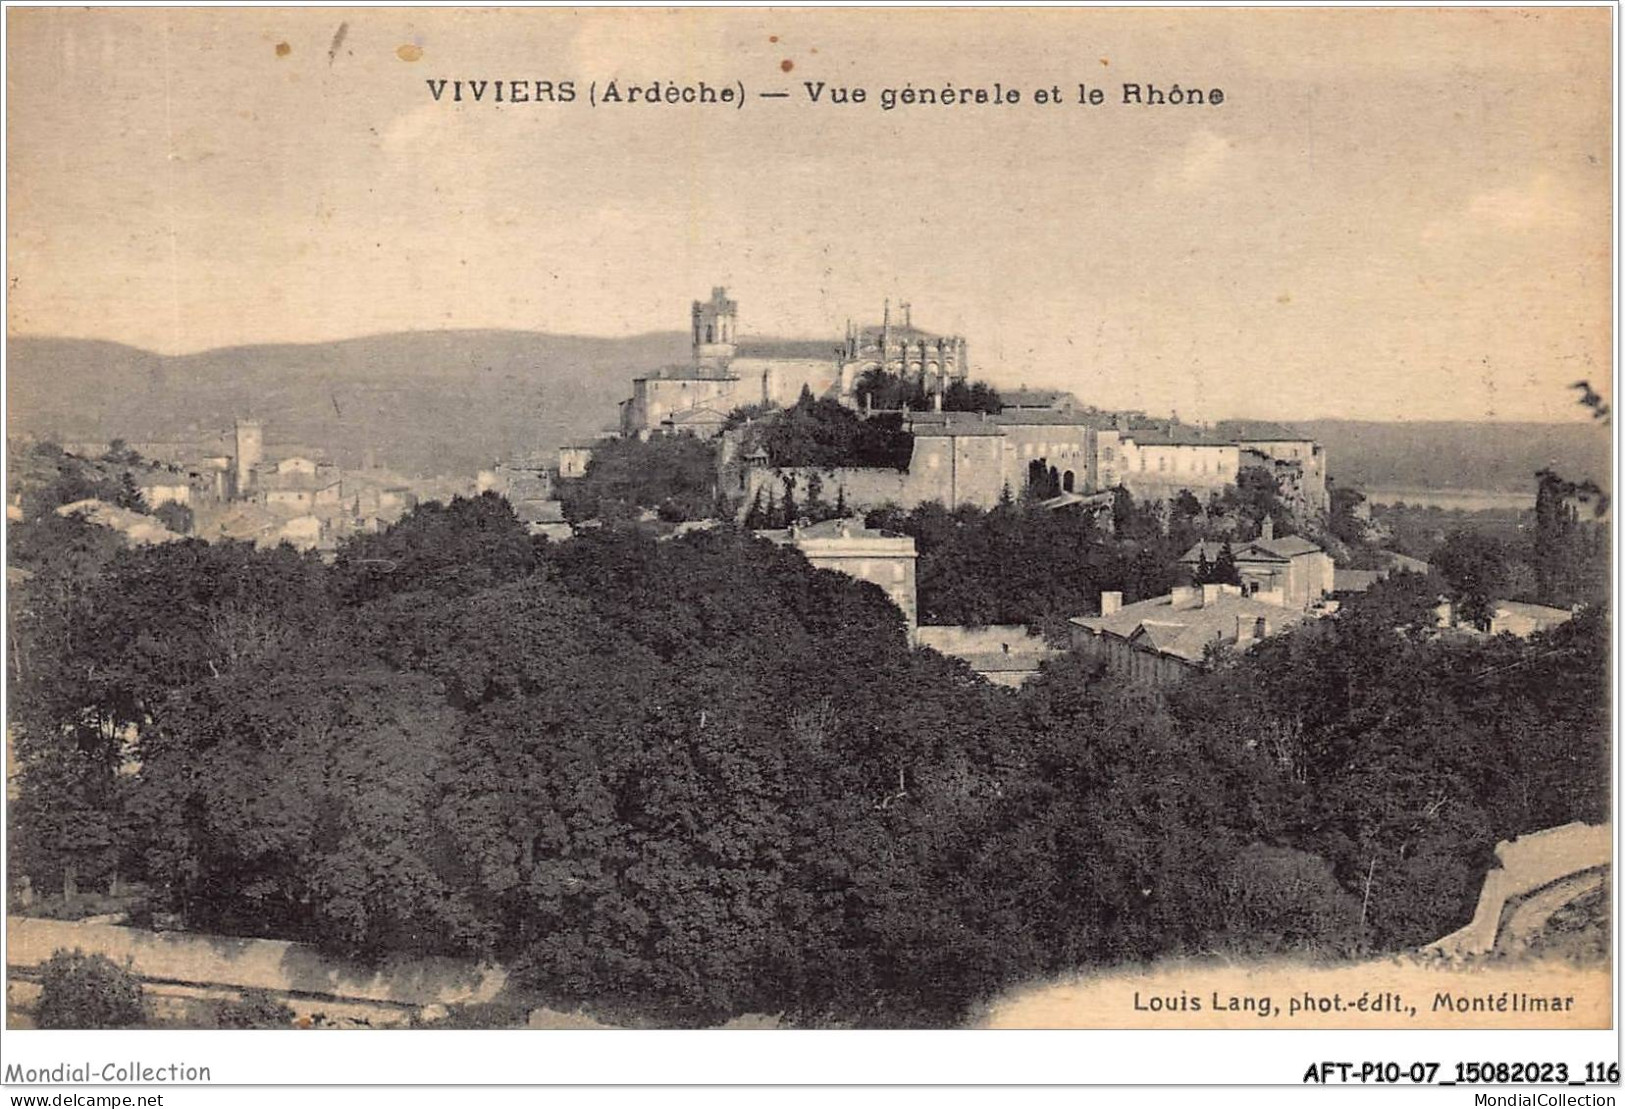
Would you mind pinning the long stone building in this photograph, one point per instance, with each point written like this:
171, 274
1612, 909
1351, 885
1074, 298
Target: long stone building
1041, 440
971, 458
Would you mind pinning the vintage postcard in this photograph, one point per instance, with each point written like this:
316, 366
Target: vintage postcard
781, 519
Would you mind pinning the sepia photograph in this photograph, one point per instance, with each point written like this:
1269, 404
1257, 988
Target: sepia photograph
770, 520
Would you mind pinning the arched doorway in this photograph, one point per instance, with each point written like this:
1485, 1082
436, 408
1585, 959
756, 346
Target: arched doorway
1067, 481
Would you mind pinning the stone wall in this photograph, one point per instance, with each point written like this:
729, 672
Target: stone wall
185, 965
1527, 865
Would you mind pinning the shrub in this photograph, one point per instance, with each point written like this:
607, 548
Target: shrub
87, 991
255, 1009
1278, 900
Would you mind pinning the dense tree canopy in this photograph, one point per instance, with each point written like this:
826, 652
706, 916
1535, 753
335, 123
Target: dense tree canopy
672, 474
827, 433
681, 780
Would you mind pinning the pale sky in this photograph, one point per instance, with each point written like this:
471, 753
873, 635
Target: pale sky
1395, 214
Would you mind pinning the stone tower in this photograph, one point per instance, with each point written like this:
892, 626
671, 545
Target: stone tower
248, 449
714, 331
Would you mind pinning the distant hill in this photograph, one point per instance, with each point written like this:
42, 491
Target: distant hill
434, 402
1459, 455
449, 402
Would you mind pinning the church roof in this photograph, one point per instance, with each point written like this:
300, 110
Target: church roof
898, 334
787, 348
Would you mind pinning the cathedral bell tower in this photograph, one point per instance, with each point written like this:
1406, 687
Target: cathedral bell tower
714, 322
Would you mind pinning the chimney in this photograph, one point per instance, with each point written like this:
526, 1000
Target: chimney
1268, 531
1110, 602
1210, 592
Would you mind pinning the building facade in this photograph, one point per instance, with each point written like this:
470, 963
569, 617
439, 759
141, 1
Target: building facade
728, 370
1290, 571
848, 547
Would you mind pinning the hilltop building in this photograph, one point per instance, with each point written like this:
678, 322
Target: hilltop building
1297, 462
1043, 441
727, 371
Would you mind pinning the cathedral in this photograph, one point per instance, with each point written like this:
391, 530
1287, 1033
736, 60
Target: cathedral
728, 372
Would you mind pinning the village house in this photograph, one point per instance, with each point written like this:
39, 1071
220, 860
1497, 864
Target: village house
1292, 568
881, 558
160, 487
1167, 638
574, 459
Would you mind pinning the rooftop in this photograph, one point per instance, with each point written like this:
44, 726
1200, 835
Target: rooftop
1187, 632
954, 423
1257, 431
831, 530
1031, 417
1037, 398
1175, 435
823, 349
1252, 550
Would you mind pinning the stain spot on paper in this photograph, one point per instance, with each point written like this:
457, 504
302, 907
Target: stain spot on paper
283, 50
1284, 298
772, 38
1105, 61
409, 52
787, 65
338, 41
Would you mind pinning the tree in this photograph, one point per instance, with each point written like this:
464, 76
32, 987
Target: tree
176, 517
677, 472
1204, 568
788, 506
1476, 570
254, 1009
1225, 571
129, 494
87, 991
